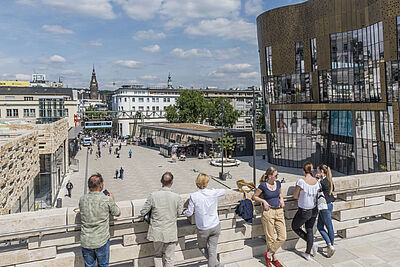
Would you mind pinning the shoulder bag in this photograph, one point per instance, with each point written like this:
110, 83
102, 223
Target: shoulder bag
321, 200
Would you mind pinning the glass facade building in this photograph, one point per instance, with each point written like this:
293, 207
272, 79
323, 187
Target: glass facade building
335, 100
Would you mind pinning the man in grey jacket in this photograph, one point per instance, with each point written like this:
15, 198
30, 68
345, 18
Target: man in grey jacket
165, 207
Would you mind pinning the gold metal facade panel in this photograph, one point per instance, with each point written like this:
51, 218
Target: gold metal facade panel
396, 123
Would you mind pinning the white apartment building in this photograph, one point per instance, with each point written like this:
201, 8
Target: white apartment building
148, 101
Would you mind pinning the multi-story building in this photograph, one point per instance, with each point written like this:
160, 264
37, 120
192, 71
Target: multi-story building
154, 101
37, 104
331, 83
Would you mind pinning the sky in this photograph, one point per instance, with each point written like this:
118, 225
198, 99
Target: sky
201, 42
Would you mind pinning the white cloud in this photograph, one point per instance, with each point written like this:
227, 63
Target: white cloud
253, 7
57, 59
56, 29
225, 28
95, 8
228, 53
148, 77
140, 9
127, 63
148, 35
151, 48
248, 75
216, 74
23, 77
194, 52
95, 43
68, 72
195, 9
235, 67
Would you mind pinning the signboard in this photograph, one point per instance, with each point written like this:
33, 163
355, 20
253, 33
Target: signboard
15, 83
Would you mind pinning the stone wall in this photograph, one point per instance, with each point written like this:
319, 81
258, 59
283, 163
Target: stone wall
366, 204
19, 161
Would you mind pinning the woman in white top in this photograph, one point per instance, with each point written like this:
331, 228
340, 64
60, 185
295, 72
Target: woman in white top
306, 192
204, 204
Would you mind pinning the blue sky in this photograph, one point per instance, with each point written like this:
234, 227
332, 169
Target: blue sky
201, 42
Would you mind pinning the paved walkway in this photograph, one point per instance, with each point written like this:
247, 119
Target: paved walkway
380, 249
143, 173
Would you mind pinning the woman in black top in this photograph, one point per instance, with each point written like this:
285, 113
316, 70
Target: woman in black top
325, 216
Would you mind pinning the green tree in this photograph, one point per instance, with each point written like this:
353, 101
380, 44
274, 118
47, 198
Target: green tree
189, 108
228, 142
261, 121
214, 112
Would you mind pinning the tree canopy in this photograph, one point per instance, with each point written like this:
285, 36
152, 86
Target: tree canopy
214, 112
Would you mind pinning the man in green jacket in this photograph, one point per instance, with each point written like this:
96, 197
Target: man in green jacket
165, 207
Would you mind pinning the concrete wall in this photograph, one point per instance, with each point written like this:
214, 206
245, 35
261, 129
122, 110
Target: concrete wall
19, 161
359, 197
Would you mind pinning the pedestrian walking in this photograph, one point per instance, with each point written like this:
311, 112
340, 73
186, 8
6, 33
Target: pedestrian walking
204, 205
91, 150
110, 150
165, 207
130, 153
120, 145
121, 173
118, 153
95, 209
306, 192
324, 175
269, 194
99, 153
116, 173
69, 187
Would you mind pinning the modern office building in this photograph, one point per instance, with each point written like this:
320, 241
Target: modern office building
330, 75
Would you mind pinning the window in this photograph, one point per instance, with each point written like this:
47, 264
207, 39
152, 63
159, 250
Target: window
28, 98
29, 112
125, 99
148, 99
141, 108
133, 108
153, 108
268, 59
141, 99
133, 99
9, 97
299, 58
12, 113
147, 108
314, 65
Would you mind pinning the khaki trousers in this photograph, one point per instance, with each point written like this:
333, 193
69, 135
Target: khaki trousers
164, 254
273, 220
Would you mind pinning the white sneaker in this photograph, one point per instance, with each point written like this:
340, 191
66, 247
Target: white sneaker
331, 251
314, 250
306, 256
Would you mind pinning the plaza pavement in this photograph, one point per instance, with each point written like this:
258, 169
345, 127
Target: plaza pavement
143, 173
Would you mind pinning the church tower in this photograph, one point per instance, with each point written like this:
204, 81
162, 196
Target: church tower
169, 83
94, 86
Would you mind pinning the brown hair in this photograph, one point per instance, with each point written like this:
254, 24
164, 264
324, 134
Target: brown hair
94, 181
328, 173
308, 168
268, 172
166, 178
202, 180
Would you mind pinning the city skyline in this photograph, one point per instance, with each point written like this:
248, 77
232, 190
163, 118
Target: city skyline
202, 43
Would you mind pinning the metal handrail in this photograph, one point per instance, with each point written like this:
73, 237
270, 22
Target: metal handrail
46, 229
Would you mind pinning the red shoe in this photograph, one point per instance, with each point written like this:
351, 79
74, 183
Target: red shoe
277, 263
267, 260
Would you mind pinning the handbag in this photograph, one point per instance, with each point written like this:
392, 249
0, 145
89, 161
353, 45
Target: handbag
147, 217
321, 200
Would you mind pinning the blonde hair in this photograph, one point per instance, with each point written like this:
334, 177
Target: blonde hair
328, 173
202, 180
308, 168
268, 172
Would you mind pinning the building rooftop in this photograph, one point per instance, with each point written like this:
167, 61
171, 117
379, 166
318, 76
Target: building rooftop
6, 90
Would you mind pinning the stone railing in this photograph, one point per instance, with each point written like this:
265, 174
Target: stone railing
366, 204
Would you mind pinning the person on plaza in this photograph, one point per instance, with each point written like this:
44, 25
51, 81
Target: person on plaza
121, 173
269, 194
90, 150
95, 209
120, 145
69, 187
116, 173
306, 192
110, 150
99, 153
324, 175
118, 153
165, 207
130, 153
204, 205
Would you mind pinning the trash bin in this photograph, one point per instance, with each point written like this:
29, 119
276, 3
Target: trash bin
59, 203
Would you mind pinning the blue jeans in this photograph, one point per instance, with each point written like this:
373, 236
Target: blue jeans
325, 220
102, 254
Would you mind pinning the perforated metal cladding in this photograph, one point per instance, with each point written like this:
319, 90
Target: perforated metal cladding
284, 26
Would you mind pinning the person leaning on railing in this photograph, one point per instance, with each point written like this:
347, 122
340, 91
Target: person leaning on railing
269, 194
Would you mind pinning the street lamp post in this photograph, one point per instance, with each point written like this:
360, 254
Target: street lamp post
221, 175
254, 135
